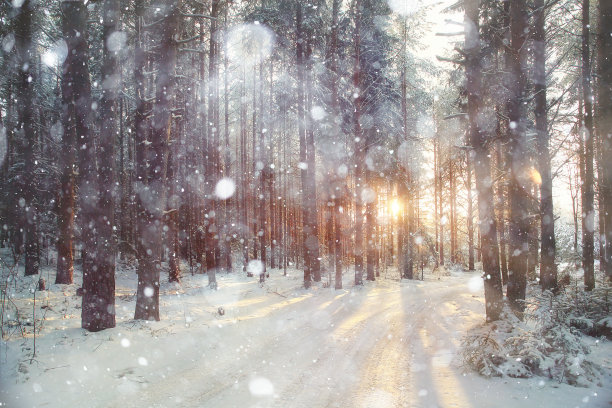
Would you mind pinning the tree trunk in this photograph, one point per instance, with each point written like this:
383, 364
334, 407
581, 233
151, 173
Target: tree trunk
311, 190
302, 135
519, 183
67, 199
263, 171
440, 203
501, 202
370, 228
212, 152
172, 212
28, 136
359, 155
339, 192
470, 211
588, 205
482, 167
147, 299
99, 286
604, 122
453, 210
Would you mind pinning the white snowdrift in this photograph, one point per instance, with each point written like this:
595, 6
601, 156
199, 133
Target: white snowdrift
387, 344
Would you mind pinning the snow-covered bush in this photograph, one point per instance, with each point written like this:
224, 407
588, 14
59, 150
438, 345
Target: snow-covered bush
482, 353
483, 348
548, 342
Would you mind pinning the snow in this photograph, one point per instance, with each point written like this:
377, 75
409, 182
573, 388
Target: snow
116, 41
318, 113
389, 343
249, 44
368, 195
406, 8
8, 42
225, 188
255, 267
56, 54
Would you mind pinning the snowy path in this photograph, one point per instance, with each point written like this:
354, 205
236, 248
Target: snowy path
388, 344
372, 347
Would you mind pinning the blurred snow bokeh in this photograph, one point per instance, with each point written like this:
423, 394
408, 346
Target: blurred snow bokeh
225, 188
249, 44
55, 54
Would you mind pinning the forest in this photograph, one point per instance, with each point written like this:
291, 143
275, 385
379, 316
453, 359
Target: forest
200, 167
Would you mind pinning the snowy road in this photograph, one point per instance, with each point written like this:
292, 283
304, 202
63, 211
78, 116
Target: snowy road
385, 345
388, 344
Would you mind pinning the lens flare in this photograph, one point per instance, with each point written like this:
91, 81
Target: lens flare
395, 207
536, 177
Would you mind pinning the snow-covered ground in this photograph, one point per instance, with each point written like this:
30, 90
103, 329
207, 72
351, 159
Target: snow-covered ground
387, 344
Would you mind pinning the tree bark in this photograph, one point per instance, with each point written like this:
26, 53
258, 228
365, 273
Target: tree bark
311, 190
470, 211
306, 232
67, 199
28, 136
101, 284
149, 262
588, 210
519, 183
212, 152
482, 166
604, 123
359, 154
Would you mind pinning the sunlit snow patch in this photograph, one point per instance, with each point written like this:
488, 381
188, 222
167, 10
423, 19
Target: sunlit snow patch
475, 284
249, 44
321, 320
260, 387
225, 188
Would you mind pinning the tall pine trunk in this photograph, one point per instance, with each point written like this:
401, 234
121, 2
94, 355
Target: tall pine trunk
470, 211
27, 133
102, 282
149, 262
306, 232
604, 123
212, 152
359, 155
548, 268
67, 199
311, 190
520, 182
482, 166
588, 210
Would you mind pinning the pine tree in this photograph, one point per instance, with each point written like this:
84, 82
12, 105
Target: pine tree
482, 166
152, 197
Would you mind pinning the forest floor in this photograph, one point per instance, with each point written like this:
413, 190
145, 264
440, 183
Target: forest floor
390, 343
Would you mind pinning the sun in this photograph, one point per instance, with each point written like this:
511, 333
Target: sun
395, 207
